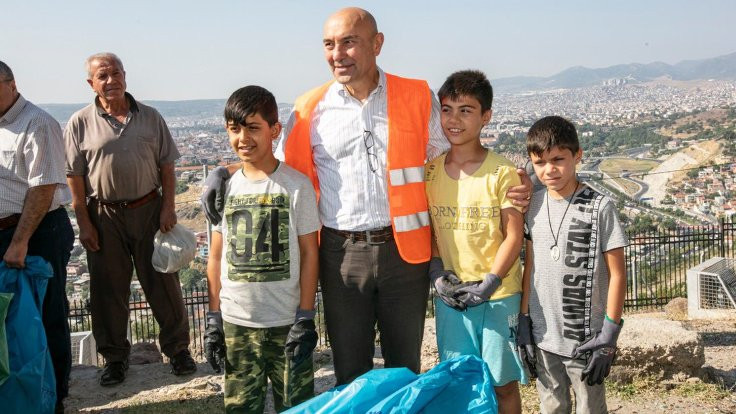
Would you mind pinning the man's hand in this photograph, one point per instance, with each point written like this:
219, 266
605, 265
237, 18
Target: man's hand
445, 283
475, 293
167, 219
214, 341
302, 337
521, 194
15, 256
213, 194
525, 345
88, 236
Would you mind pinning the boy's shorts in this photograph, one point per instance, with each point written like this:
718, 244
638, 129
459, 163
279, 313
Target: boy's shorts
556, 375
254, 355
487, 331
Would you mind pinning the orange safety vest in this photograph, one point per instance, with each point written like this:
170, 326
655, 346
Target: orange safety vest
409, 108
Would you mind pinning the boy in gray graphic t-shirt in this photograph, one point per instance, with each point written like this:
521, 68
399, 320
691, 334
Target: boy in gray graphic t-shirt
574, 276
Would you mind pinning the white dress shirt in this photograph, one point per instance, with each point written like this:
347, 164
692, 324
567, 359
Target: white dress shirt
352, 196
31, 154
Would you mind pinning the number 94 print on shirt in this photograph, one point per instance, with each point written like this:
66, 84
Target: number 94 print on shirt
257, 237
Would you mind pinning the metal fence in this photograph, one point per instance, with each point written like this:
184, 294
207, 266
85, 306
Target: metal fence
656, 265
657, 262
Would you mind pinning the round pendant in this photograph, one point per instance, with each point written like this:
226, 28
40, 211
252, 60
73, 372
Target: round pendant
554, 252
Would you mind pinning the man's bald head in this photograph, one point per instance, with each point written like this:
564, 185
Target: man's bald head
354, 16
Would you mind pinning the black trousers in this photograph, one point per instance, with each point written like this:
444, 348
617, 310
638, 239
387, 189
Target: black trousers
53, 241
364, 286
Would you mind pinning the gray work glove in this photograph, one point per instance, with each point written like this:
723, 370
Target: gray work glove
302, 337
213, 194
525, 345
601, 350
445, 283
475, 293
214, 341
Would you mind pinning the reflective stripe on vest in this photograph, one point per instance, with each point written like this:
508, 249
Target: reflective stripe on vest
411, 222
408, 175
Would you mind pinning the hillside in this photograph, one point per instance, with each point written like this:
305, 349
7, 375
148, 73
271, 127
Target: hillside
666, 173
721, 67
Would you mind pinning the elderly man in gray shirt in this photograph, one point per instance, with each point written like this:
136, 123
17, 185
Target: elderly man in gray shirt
120, 168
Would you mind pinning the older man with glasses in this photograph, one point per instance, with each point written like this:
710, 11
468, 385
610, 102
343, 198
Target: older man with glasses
33, 220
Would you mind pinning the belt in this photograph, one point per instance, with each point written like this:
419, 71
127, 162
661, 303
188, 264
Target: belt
129, 204
10, 221
377, 236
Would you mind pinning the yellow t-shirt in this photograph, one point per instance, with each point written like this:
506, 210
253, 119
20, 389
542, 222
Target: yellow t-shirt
466, 218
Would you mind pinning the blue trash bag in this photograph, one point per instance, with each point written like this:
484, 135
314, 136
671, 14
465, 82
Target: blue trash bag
459, 385
31, 386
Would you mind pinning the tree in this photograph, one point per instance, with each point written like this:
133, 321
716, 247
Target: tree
191, 278
181, 186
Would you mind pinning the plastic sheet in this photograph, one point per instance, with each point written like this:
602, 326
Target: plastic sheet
30, 386
458, 385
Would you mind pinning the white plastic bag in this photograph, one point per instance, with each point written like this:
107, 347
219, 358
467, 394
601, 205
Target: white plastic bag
174, 250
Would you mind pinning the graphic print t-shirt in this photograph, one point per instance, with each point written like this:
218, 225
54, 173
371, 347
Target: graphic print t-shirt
567, 302
260, 254
466, 218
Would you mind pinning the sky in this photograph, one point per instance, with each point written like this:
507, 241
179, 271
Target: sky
176, 50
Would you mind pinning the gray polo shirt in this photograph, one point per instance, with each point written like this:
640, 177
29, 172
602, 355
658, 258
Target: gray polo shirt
118, 162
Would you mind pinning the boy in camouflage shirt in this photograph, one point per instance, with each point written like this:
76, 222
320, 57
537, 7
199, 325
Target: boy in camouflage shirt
262, 269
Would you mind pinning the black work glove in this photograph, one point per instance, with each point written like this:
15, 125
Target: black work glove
214, 341
599, 366
213, 194
475, 293
601, 349
302, 337
445, 283
525, 345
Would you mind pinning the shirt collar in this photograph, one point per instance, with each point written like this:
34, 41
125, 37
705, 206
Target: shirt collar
379, 88
14, 110
131, 101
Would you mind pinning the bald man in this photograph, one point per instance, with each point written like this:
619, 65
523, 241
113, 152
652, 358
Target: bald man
363, 139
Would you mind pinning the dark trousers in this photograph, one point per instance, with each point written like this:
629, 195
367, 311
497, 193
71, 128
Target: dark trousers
53, 241
364, 286
126, 242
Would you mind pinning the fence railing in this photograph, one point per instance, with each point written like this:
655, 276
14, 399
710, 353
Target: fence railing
657, 262
656, 265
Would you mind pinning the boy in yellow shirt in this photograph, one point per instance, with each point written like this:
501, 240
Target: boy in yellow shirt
478, 233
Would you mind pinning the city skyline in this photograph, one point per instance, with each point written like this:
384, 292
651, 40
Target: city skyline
190, 50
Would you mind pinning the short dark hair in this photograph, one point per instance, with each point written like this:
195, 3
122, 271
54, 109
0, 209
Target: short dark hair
250, 100
468, 83
5, 73
550, 132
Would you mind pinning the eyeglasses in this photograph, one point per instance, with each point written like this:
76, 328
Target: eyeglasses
370, 149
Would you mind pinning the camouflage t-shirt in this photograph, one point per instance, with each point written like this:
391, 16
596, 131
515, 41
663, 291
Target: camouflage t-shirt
259, 270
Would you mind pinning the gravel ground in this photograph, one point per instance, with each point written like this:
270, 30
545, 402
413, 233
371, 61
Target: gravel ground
152, 389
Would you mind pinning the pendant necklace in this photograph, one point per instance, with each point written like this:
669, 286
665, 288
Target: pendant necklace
554, 251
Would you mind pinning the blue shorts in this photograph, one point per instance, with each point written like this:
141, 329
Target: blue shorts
487, 331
